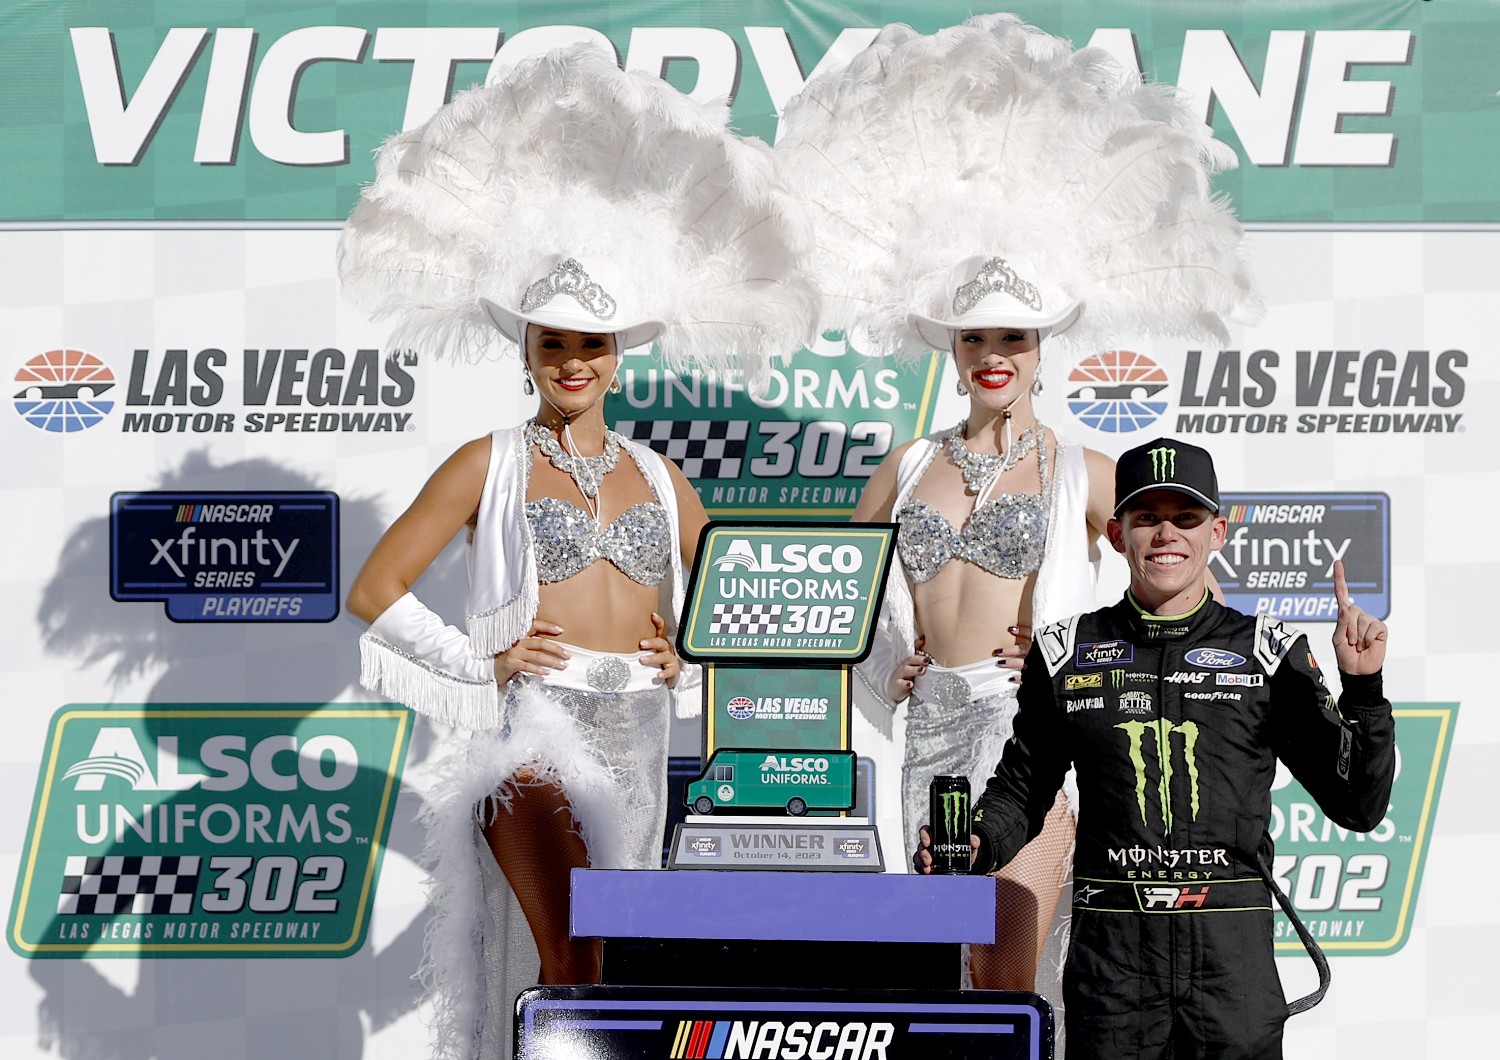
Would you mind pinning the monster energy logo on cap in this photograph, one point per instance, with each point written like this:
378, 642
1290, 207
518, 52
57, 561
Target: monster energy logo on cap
1163, 731
1166, 464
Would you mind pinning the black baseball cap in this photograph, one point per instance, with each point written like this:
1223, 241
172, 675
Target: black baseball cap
1166, 464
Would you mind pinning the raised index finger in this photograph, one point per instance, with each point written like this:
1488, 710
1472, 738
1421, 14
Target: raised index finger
1340, 586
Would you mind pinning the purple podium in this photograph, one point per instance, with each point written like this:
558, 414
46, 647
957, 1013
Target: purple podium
747, 965
782, 929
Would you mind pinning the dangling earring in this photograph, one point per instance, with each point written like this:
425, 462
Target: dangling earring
614, 385
527, 386
1036, 385
963, 391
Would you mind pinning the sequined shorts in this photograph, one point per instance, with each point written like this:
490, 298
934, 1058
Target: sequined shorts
601, 671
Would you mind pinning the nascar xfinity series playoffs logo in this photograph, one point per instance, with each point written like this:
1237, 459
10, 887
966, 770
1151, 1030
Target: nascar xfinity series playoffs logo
208, 830
228, 557
1279, 554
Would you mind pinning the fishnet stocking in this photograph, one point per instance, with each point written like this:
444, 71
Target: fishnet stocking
1026, 895
536, 843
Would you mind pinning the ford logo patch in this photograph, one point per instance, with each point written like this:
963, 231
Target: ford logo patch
1214, 658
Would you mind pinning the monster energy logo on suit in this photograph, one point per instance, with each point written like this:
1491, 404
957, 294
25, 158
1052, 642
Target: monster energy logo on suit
1163, 463
1163, 729
948, 811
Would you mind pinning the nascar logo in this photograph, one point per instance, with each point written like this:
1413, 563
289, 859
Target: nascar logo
777, 1040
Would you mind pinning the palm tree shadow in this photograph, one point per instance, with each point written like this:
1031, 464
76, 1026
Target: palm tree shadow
189, 1008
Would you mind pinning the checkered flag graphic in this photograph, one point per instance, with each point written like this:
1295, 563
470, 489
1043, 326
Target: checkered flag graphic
746, 618
702, 448
118, 884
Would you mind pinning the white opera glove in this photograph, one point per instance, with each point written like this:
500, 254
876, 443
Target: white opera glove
412, 656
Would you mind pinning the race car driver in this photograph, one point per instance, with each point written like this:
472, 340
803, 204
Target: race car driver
1174, 710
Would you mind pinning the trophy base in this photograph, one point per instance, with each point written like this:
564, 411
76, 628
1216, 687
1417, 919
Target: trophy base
817, 844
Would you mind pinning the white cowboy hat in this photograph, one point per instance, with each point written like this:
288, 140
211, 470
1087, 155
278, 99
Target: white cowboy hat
575, 293
993, 291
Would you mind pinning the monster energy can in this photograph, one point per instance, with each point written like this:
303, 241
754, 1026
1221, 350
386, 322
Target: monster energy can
948, 817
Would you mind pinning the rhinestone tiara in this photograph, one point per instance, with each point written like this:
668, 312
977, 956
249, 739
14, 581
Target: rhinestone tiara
568, 277
995, 275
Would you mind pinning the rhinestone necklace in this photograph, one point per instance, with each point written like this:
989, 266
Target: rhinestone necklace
981, 468
586, 471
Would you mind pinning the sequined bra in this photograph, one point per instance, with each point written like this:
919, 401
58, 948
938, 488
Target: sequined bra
1006, 536
567, 540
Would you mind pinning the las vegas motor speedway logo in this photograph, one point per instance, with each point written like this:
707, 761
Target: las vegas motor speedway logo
208, 830
1117, 391
62, 391
1265, 391
216, 391
796, 707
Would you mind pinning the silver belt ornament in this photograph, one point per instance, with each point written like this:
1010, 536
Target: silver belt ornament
951, 690
608, 674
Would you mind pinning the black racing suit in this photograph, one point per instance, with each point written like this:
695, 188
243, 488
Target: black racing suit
1174, 726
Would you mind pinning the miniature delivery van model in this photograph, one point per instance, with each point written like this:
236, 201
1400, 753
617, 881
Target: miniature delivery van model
772, 779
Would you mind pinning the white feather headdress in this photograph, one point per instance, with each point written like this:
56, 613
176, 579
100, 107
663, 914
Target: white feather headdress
995, 136
567, 154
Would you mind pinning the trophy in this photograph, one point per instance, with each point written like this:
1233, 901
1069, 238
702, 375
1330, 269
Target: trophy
778, 614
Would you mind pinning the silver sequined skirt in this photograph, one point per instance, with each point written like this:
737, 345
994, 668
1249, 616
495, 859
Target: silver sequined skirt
951, 731
608, 753
626, 733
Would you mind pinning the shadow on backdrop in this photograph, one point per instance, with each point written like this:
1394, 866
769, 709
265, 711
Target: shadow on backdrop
231, 1008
